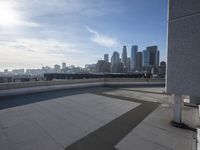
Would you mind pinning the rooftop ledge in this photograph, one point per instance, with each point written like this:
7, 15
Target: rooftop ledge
18, 88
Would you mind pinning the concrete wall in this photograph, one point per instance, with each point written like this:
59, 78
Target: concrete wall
15, 85
183, 70
34, 87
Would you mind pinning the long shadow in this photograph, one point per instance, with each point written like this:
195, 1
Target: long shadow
13, 101
107, 136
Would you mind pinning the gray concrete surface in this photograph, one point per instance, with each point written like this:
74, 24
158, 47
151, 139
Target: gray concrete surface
17, 85
183, 47
156, 133
36, 89
93, 118
183, 8
153, 90
144, 96
56, 123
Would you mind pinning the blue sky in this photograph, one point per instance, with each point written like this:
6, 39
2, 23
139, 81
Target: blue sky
47, 32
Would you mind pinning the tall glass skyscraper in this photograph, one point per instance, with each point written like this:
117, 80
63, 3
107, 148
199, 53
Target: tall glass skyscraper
115, 58
134, 50
124, 56
151, 56
145, 58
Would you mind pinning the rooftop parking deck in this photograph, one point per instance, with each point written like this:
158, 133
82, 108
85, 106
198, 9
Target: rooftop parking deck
93, 118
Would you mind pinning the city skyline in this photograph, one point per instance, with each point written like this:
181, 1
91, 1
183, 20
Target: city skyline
118, 57
76, 32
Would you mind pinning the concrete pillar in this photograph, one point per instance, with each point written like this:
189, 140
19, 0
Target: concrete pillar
178, 102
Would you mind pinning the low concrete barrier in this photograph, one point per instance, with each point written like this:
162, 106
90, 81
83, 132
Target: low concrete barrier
10, 89
20, 91
16, 85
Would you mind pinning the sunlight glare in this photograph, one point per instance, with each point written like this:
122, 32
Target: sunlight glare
8, 16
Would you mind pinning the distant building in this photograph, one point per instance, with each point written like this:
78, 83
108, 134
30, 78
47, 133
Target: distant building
158, 58
162, 69
115, 58
46, 69
91, 68
56, 68
139, 60
90, 65
134, 50
128, 63
106, 57
103, 66
18, 71
64, 66
153, 55
117, 67
145, 58
34, 72
124, 56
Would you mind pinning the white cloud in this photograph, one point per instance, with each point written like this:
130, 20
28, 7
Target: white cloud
49, 46
101, 39
26, 53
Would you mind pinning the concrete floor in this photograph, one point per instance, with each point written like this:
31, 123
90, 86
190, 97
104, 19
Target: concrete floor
88, 119
156, 133
59, 122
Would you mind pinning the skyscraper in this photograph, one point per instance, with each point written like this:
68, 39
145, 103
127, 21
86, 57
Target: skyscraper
134, 50
145, 58
158, 58
153, 55
63, 65
124, 56
128, 63
139, 60
116, 65
106, 57
115, 58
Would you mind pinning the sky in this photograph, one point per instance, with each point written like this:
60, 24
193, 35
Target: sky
36, 33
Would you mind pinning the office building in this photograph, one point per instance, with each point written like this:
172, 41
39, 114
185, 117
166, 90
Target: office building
106, 57
64, 65
162, 69
115, 58
128, 63
56, 68
134, 50
153, 55
18, 71
145, 58
103, 66
139, 60
117, 67
124, 56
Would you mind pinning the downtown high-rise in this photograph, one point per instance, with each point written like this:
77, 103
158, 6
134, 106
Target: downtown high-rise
134, 50
124, 57
151, 56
